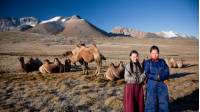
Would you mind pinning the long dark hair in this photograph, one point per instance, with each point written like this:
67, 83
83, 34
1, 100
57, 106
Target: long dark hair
137, 62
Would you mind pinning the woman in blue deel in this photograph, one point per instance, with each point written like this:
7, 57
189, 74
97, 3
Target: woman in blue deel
157, 72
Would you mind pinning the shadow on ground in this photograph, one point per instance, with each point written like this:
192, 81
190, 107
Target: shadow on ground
189, 102
178, 75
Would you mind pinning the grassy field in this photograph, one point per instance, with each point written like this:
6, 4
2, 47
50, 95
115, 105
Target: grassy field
73, 91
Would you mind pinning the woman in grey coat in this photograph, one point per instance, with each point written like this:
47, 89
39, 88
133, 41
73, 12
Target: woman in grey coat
133, 90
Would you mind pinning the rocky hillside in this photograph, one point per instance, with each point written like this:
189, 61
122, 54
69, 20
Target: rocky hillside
141, 34
7, 24
76, 26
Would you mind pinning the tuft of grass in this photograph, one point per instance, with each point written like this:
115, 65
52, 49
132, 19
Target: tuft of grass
114, 103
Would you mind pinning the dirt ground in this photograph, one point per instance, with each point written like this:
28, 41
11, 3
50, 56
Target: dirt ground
73, 91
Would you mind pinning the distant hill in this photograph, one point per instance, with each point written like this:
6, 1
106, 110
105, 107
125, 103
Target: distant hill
141, 34
76, 26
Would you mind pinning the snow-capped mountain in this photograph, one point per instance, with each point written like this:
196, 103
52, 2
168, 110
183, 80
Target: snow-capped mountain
51, 26
141, 34
168, 34
73, 26
54, 19
172, 34
76, 26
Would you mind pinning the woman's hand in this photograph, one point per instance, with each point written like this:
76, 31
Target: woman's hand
166, 81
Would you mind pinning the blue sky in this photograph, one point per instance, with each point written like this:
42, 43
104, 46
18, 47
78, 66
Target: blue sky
181, 16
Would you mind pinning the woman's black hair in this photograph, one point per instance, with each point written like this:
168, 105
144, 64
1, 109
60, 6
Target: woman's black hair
154, 48
133, 51
137, 63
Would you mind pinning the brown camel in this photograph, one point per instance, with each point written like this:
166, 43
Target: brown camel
31, 65
115, 72
90, 54
73, 55
52, 67
86, 55
83, 45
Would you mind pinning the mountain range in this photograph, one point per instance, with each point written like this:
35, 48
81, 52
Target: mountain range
75, 26
141, 34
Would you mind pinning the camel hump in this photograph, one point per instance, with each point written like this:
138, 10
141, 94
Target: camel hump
57, 61
21, 58
30, 60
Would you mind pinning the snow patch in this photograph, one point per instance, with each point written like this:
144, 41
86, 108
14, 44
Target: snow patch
57, 18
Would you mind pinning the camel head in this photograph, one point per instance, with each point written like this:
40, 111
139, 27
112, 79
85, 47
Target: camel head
22, 63
81, 43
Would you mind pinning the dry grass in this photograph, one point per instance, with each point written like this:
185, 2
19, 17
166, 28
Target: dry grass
73, 91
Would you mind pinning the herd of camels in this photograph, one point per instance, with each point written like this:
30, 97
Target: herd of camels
83, 55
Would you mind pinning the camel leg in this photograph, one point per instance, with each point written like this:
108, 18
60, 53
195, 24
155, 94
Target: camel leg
98, 69
83, 68
86, 66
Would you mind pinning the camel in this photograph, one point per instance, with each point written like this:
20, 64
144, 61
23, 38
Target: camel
115, 72
52, 67
76, 51
90, 54
86, 55
31, 65
172, 63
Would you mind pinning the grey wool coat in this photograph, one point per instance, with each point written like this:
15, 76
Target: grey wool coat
135, 77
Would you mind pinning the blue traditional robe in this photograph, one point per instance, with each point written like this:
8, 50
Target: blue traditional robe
157, 99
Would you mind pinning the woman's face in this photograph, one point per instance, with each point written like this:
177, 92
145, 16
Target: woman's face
154, 54
134, 57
